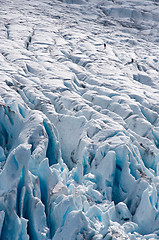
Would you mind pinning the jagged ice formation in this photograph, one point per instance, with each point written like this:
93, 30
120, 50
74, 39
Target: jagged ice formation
79, 123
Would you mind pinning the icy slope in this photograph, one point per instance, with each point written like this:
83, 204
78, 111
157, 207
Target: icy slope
79, 125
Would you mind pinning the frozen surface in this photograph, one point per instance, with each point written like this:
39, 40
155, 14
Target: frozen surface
79, 123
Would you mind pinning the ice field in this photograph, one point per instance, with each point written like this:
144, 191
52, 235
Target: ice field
79, 122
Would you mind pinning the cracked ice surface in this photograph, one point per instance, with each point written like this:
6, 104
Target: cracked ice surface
79, 125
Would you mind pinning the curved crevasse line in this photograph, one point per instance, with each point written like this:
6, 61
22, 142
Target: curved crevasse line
53, 152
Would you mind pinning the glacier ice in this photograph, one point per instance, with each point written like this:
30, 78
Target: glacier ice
79, 125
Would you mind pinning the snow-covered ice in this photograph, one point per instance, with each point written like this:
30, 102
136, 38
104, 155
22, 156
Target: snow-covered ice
79, 122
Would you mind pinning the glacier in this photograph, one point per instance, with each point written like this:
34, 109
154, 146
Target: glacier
79, 122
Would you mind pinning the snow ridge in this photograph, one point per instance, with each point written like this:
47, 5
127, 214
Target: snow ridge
79, 125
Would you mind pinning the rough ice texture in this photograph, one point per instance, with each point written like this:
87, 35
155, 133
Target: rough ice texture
79, 125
